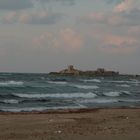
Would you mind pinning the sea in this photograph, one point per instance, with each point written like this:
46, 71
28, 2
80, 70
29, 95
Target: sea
26, 92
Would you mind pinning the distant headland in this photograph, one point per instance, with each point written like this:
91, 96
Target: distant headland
71, 71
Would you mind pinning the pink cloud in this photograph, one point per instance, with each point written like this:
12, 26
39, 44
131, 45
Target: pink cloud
38, 17
110, 43
127, 5
119, 44
46, 39
67, 40
71, 38
10, 17
24, 18
119, 40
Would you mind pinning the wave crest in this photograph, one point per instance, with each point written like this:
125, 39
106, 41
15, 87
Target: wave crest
92, 80
11, 83
86, 87
58, 95
57, 82
112, 94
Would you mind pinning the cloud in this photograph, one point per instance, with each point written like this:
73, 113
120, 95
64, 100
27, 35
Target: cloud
126, 13
92, 18
129, 10
42, 17
67, 40
15, 4
63, 2
119, 40
132, 18
127, 6
108, 41
71, 38
9, 18
114, 1
119, 44
101, 18
135, 30
24, 4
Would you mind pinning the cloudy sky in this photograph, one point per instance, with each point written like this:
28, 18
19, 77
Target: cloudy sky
48, 35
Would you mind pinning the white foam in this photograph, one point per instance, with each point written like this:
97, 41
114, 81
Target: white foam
99, 101
58, 95
24, 109
124, 85
11, 101
126, 92
86, 87
130, 100
130, 82
112, 94
57, 82
91, 80
7, 83
28, 109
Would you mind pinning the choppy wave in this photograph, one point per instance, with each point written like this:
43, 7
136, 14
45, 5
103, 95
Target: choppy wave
126, 92
57, 82
130, 100
122, 81
28, 92
91, 80
99, 101
10, 101
86, 86
11, 83
29, 109
124, 85
57, 95
116, 93
112, 94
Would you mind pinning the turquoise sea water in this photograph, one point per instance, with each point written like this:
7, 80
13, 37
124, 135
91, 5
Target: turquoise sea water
40, 92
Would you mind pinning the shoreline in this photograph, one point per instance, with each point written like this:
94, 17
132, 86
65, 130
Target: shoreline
82, 124
67, 111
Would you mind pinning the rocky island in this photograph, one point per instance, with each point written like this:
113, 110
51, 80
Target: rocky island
71, 71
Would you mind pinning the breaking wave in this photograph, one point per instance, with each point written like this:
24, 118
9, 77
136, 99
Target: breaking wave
10, 101
57, 95
11, 83
124, 85
57, 82
122, 81
116, 93
29, 109
92, 80
112, 94
86, 87
99, 101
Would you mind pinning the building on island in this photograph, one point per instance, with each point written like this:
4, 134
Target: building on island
75, 72
70, 71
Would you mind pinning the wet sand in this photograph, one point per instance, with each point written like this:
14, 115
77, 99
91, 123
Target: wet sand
94, 124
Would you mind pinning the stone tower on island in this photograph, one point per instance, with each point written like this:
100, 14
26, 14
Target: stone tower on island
70, 71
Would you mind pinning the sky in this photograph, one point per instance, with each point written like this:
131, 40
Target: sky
40, 36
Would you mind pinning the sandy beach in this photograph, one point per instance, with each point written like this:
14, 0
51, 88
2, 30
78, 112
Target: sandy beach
103, 124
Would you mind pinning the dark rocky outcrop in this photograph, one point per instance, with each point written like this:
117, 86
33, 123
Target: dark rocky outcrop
75, 72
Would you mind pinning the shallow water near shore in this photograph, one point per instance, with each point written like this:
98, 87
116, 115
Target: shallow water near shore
41, 92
